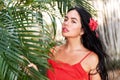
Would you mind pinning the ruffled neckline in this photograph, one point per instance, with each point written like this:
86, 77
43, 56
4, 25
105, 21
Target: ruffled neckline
65, 66
58, 62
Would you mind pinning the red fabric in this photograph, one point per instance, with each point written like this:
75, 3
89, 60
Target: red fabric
63, 71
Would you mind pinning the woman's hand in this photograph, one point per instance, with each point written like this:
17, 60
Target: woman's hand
33, 65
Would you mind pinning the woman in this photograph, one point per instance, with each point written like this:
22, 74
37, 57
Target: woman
82, 56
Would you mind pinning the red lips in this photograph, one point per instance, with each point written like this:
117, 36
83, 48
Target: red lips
65, 30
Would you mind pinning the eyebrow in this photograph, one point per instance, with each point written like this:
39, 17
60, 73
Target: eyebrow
71, 18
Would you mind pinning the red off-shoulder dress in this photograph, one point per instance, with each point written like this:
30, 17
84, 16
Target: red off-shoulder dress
63, 71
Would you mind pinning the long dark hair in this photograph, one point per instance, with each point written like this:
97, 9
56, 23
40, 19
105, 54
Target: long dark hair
92, 42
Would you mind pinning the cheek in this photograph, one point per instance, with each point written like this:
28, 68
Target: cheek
76, 29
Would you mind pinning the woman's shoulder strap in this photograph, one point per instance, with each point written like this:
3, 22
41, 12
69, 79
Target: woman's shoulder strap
85, 56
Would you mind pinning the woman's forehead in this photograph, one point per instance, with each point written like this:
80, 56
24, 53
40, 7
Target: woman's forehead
73, 14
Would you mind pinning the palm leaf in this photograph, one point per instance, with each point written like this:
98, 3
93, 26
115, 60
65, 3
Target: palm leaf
19, 39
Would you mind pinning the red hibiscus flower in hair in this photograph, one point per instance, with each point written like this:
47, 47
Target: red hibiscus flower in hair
93, 24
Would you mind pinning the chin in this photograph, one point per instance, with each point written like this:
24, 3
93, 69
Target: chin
65, 35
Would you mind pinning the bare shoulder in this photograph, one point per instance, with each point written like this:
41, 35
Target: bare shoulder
54, 50
93, 60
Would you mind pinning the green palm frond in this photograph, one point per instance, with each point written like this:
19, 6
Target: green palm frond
64, 5
21, 43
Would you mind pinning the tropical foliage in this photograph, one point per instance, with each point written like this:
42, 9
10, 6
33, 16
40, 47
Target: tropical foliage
26, 37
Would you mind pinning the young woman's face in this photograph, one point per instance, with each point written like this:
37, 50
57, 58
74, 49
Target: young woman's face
71, 26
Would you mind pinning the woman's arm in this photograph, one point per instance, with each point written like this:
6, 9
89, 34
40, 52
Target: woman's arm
94, 74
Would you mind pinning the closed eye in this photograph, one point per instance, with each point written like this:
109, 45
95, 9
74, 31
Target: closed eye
65, 19
73, 21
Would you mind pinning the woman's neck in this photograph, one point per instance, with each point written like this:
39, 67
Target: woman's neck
74, 44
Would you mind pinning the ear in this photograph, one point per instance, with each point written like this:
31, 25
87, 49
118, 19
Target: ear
82, 31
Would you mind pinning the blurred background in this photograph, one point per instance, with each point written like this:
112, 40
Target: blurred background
109, 28
29, 28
